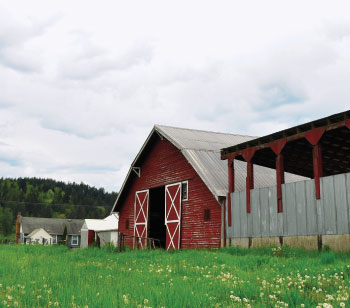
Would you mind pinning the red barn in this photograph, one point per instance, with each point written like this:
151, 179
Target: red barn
176, 188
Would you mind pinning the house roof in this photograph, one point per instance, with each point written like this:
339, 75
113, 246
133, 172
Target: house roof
51, 225
108, 223
36, 231
202, 151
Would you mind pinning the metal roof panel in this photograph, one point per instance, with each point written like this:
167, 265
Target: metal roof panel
202, 151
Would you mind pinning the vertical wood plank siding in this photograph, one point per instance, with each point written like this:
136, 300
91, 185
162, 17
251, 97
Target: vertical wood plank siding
163, 165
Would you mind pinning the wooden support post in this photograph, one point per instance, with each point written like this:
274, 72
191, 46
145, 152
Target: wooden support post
249, 183
248, 155
317, 164
280, 181
314, 136
231, 189
231, 176
277, 147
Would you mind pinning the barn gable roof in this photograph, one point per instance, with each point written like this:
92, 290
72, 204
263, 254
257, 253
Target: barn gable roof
202, 151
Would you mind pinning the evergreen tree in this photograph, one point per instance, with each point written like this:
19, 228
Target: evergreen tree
49, 198
6, 222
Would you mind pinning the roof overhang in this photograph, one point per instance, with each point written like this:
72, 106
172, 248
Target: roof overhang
297, 151
133, 165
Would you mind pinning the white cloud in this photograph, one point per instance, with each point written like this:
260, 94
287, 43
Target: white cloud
83, 83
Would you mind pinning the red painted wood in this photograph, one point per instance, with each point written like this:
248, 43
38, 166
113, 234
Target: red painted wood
278, 145
293, 137
314, 135
248, 154
249, 183
347, 123
317, 164
91, 237
141, 217
231, 176
231, 188
165, 165
173, 215
280, 181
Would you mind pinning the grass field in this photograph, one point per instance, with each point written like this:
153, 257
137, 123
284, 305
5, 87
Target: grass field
38, 276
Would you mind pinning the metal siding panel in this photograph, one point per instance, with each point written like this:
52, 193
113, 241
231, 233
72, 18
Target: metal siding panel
264, 212
311, 211
285, 210
319, 210
273, 217
327, 184
255, 212
236, 219
301, 208
243, 214
341, 204
290, 206
228, 228
348, 194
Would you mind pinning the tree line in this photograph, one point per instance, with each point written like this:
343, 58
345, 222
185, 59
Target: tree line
37, 197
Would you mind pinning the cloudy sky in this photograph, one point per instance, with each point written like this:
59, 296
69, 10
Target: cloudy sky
83, 82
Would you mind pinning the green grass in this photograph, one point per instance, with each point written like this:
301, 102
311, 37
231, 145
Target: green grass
39, 276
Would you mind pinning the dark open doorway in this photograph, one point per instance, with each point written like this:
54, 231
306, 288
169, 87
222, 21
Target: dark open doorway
156, 227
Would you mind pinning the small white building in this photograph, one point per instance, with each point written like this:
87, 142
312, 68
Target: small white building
39, 236
25, 226
108, 236
100, 230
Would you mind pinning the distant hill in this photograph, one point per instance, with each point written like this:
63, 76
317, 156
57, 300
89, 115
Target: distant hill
38, 197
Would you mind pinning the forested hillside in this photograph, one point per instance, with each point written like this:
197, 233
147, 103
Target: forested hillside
49, 198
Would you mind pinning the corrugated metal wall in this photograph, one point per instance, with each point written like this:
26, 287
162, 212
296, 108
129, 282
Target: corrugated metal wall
302, 213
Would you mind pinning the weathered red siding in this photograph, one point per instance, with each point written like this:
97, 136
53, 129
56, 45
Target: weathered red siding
164, 165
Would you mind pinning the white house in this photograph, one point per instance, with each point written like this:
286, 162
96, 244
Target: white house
52, 226
39, 236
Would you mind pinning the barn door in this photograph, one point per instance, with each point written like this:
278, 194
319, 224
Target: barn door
141, 217
173, 215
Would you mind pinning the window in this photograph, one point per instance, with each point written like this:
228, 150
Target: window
75, 240
184, 190
127, 224
206, 215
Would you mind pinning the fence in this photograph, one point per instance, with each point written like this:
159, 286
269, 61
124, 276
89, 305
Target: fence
302, 213
136, 242
6, 241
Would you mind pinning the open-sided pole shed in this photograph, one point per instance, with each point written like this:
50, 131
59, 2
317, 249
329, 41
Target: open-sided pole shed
314, 150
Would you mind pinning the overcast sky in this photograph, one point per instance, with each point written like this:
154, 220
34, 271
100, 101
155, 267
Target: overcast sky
83, 82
